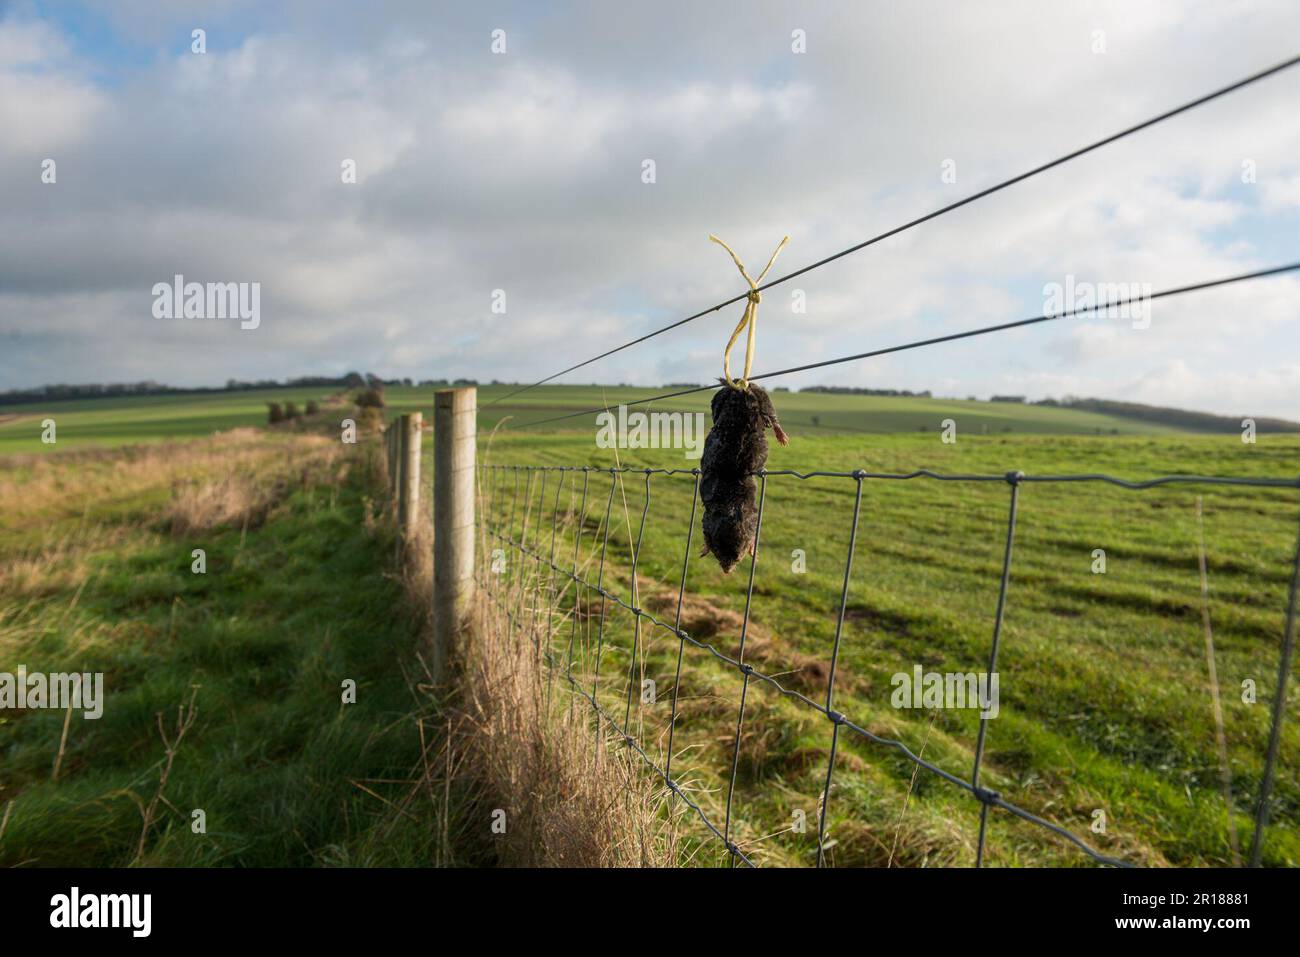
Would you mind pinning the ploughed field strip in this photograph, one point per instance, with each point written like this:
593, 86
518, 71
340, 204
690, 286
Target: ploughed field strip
1105, 713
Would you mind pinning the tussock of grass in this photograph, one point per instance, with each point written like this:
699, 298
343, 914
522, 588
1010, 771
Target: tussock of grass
573, 796
93, 485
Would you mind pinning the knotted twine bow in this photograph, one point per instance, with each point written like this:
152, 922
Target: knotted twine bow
750, 318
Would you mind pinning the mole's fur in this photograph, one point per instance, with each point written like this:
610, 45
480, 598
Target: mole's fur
734, 452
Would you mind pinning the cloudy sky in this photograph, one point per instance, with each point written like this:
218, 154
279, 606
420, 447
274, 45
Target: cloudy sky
522, 171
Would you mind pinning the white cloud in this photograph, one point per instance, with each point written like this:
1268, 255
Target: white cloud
44, 105
522, 172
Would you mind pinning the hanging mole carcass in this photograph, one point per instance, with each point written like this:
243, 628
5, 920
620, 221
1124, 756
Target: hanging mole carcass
736, 447
734, 452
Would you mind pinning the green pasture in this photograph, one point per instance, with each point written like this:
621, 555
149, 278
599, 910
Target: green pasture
126, 420
1106, 714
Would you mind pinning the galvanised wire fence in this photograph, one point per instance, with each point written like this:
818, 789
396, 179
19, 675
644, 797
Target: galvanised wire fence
539, 542
499, 485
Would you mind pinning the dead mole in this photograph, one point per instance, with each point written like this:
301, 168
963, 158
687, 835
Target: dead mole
734, 452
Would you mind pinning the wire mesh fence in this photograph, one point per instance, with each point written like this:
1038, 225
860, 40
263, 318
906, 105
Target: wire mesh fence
513, 522
523, 516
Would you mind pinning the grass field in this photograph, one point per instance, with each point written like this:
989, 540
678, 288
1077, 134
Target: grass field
824, 414
1105, 705
1104, 697
108, 423
120, 421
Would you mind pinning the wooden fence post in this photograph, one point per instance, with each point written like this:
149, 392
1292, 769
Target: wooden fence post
390, 438
455, 424
408, 492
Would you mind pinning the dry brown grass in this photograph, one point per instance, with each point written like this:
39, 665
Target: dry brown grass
238, 500
573, 795
38, 488
63, 509
56, 561
705, 621
417, 577
414, 557
245, 495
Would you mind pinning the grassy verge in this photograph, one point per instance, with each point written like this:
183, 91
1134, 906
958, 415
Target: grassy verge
557, 788
97, 556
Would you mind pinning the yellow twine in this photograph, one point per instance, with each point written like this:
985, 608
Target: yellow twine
750, 317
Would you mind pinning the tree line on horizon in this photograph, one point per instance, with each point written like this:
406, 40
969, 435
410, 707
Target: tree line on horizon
98, 390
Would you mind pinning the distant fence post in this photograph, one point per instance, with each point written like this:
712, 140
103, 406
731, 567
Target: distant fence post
390, 439
455, 423
408, 484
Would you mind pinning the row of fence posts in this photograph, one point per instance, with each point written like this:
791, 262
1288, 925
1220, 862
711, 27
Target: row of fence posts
402, 439
455, 426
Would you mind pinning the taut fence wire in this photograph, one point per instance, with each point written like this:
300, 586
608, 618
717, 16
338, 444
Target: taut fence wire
934, 214
952, 337
499, 525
